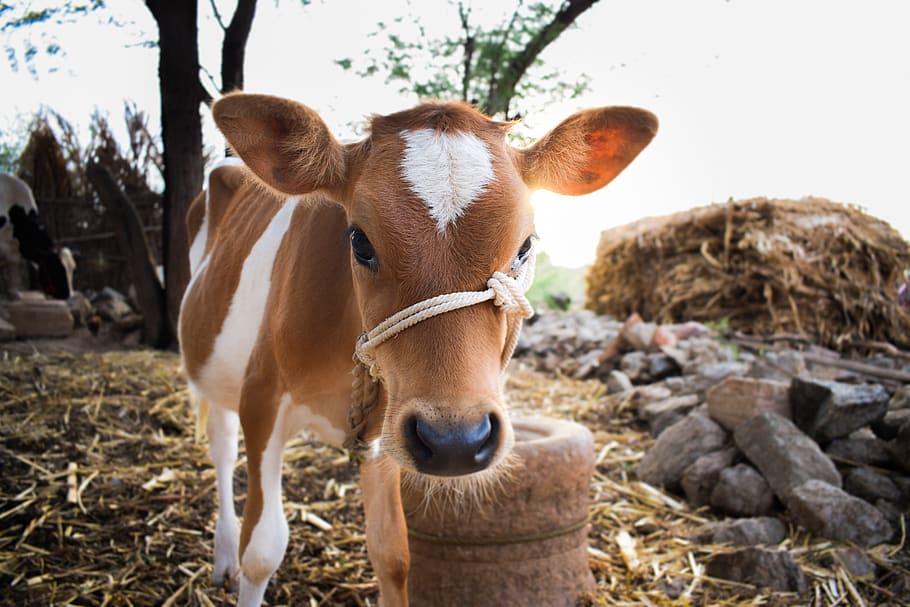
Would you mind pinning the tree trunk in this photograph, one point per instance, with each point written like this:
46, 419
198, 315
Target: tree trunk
181, 133
233, 50
133, 245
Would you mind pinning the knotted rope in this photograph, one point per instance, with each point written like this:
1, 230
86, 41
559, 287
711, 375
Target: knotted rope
507, 291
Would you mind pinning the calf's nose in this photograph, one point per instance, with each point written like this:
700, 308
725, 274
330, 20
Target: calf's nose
452, 450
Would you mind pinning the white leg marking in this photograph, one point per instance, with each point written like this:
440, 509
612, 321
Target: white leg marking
448, 172
269, 539
222, 428
222, 375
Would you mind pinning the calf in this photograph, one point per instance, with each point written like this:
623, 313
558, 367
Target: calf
23, 236
409, 251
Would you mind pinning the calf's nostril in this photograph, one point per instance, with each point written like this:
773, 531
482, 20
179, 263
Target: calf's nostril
490, 443
452, 450
417, 445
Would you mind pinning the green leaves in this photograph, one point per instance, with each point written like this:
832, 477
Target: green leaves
487, 65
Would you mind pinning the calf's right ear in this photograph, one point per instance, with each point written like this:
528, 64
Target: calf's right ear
285, 143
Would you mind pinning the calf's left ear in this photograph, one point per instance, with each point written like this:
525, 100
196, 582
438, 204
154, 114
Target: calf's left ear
587, 150
285, 143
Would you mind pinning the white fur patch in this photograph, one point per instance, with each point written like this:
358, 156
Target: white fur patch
221, 378
448, 172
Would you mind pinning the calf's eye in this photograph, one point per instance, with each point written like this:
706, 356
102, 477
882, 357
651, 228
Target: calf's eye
363, 251
524, 251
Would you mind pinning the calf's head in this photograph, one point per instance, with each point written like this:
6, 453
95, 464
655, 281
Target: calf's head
437, 201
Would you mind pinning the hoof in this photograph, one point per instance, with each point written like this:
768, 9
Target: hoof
225, 575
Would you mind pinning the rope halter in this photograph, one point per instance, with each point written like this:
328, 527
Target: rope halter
507, 291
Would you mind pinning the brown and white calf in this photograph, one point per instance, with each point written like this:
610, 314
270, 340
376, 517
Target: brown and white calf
302, 251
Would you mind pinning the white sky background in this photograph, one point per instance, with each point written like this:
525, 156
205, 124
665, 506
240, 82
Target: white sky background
782, 98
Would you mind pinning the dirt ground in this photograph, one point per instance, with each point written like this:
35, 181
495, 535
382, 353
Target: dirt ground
107, 498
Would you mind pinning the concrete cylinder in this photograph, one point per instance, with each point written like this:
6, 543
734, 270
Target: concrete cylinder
526, 546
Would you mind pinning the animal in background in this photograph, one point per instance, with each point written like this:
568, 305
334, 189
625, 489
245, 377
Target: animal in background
24, 236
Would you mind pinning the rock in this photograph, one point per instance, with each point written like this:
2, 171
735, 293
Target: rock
7, 330
890, 511
900, 446
677, 448
784, 455
662, 338
870, 485
774, 569
702, 351
40, 318
903, 483
618, 382
688, 330
779, 366
826, 410
660, 366
637, 333
587, 365
855, 561
678, 356
662, 414
831, 512
710, 374
742, 491
900, 399
634, 365
700, 478
886, 428
736, 399
743, 532
868, 450
653, 392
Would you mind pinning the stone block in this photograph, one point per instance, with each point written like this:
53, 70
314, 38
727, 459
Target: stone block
678, 447
783, 453
831, 512
736, 399
40, 318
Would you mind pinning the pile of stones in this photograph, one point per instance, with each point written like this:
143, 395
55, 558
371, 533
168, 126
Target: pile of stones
766, 439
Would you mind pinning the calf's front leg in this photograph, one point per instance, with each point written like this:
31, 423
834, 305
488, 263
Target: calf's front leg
264, 532
222, 429
387, 533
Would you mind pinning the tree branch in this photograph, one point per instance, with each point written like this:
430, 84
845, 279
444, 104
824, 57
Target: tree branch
518, 65
217, 15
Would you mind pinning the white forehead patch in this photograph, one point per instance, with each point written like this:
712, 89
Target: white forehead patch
448, 172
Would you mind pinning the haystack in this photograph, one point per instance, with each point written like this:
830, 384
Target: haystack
809, 267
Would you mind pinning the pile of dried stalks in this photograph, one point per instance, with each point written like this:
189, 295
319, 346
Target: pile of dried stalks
811, 267
105, 499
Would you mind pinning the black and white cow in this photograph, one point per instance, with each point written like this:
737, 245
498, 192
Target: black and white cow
23, 236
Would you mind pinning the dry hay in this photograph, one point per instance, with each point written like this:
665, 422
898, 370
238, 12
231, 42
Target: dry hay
107, 500
810, 267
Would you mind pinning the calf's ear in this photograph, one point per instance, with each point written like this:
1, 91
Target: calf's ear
587, 150
285, 143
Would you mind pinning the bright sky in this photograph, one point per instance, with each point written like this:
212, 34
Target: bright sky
782, 98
